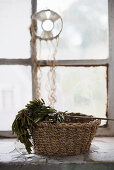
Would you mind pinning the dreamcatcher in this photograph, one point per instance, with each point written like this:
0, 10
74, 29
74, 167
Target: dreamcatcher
46, 26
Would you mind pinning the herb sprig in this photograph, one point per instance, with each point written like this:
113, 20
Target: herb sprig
26, 120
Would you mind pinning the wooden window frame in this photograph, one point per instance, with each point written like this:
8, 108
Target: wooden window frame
107, 130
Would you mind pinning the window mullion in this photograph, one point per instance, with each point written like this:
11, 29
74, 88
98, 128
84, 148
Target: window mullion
4, 61
74, 62
34, 70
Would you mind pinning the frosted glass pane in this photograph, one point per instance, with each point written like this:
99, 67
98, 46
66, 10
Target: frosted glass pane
85, 28
15, 92
78, 89
14, 28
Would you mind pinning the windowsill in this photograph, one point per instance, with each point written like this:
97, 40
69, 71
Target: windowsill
101, 151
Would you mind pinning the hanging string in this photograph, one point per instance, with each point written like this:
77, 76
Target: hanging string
39, 71
45, 36
35, 68
52, 71
48, 82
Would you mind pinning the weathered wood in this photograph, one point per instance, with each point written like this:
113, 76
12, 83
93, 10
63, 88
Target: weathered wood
102, 62
25, 62
109, 130
34, 74
34, 6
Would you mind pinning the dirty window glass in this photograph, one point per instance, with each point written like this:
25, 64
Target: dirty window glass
15, 92
78, 89
85, 28
14, 28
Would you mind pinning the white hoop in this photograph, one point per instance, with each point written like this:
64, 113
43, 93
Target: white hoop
40, 18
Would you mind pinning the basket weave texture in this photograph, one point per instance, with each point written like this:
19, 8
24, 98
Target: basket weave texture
70, 138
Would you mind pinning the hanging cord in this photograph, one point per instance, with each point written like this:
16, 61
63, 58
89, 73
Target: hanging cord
39, 71
45, 35
48, 81
35, 68
52, 75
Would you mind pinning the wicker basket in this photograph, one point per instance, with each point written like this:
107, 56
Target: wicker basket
70, 138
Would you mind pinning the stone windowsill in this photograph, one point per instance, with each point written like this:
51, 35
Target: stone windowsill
12, 152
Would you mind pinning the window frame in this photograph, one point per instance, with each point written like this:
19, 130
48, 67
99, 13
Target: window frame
107, 130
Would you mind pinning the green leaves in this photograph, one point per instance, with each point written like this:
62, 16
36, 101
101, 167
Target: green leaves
26, 120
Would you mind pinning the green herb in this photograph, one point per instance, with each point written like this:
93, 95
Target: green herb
27, 119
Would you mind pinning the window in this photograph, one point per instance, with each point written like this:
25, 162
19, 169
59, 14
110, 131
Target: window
84, 67
15, 66
79, 89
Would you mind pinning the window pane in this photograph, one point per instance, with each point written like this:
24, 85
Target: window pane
15, 92
14, 29
85, 28
78, 89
